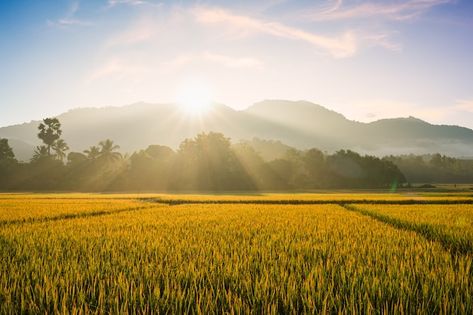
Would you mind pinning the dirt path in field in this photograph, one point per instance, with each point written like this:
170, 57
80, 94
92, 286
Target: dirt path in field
68, 216
173, 202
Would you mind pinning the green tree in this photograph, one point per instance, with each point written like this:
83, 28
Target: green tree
108, 151
8, 164
6, 152
49, 132
60, 147
93, 152
75, 158
207, 162
40, 153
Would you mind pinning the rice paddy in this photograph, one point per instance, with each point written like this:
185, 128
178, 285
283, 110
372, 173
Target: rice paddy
81, 253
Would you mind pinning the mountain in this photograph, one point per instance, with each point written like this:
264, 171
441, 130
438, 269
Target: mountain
23, 151
298, 124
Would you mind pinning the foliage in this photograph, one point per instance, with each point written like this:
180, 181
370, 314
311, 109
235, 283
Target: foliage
434, 168
8, 164
93, 152
207, 162
108, 151
6, 152
50, 133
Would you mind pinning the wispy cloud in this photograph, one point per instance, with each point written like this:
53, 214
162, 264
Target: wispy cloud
69, 18
399, 10
133, 3
341, 46
112, 3
141, 31
382, 39
117, 68
220, 59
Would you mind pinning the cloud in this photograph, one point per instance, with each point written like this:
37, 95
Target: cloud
142, 31
382, 39
223, 60
69, 19
134, 3
112, 3
68, 22
399, 10
115, 67
338, 46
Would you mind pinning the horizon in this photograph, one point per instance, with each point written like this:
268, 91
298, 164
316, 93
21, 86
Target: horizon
192, 116
368, 60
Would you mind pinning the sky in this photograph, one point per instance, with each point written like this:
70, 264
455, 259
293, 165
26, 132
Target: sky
365, 59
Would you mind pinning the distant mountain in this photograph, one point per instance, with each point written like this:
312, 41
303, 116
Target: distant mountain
298, 124
23, 151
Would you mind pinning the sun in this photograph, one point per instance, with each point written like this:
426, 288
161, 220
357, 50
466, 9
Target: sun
195, 99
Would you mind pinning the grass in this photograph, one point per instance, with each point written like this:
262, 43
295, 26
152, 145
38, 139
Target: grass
228, 258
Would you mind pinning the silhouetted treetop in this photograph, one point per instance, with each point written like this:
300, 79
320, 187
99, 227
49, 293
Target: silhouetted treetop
6, 152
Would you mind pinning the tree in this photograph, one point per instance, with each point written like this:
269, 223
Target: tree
159, 152
93, 152
6, 152
60, 147
49, 132
40, 153
314, 164
207, 162
75, 158
8, 164
108, 151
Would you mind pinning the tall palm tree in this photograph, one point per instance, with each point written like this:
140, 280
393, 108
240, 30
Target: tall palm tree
49, 132
60, 147
108, 151
93, 152
40, 152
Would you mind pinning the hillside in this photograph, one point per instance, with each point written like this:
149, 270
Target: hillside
298, 124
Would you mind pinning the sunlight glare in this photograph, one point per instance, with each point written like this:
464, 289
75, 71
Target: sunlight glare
195, 99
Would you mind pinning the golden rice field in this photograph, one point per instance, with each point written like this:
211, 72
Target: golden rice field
78, 253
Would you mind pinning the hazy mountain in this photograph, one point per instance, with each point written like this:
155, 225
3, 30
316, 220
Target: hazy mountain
23, 151
299, 124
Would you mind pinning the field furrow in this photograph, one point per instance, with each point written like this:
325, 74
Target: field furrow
452, 226
14, 211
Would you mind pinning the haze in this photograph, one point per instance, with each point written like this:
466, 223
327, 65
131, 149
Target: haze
365, 59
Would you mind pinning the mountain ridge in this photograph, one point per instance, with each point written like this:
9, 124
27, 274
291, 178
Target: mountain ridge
299, 124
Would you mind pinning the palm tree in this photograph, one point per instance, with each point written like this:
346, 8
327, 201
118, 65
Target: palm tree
60, 147
49, 132
93, 152
40, 153
108, 151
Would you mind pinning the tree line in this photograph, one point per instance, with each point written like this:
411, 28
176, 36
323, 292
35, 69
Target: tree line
434, 168
207, 162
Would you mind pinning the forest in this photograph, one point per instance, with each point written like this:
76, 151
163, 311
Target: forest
211, 162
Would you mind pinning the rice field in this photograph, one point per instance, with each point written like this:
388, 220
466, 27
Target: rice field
452, 225
78, 253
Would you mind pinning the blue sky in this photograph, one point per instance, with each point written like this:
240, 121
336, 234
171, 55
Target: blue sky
365, 59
